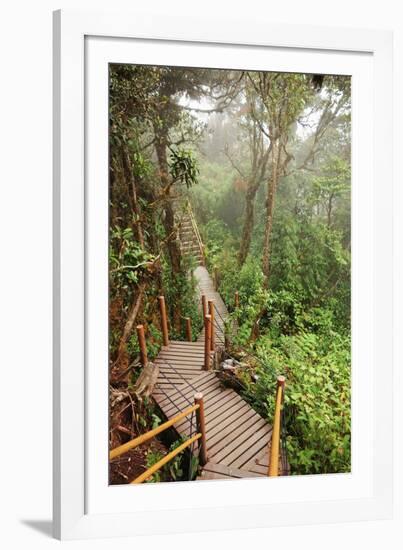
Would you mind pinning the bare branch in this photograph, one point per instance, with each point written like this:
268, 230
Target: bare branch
226, 153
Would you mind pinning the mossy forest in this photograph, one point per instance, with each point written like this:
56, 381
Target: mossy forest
259, 162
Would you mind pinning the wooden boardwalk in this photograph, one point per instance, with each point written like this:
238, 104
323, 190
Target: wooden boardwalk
205, 286
237, 436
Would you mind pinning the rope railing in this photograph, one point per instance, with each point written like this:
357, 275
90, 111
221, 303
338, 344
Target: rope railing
192, 424
196, 232
219, 333
285, 468
279, 439
167, 396
215, 331
177, 388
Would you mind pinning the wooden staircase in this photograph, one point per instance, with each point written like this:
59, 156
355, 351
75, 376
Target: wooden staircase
233, 440
189, 236
238, 438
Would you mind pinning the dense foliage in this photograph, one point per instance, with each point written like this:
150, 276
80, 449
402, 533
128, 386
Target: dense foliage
268, 174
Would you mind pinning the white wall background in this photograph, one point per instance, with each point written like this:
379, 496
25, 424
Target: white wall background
25, 272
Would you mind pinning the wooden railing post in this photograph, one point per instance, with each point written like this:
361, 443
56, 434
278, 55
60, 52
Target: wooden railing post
236, 300
164, 323
204, 305
207, 342
215, 277
133, 443
201, 428
188, 329
142, 344
212, 331
275, 438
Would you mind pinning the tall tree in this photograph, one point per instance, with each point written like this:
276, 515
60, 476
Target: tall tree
257, 154
282, 101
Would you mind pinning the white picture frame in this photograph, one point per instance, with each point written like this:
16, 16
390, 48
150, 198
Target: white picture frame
84, 506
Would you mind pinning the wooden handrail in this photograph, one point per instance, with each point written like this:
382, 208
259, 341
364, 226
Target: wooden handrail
198, 407
148, 473
275, 438
196, 231
152, 433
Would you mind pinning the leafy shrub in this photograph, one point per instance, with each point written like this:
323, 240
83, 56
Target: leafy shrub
317, 398
184, 286
127, 260
176, 469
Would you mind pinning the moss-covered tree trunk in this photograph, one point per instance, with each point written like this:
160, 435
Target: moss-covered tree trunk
174, 251
132, 195
248, 224
272, 183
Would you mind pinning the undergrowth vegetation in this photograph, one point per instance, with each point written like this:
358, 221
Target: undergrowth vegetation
264, 159
304, 334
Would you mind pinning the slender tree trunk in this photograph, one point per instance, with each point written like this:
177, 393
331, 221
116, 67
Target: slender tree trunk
121, 363
169, 220
128, 169
259, 163
248, 223
329, 210
272, 183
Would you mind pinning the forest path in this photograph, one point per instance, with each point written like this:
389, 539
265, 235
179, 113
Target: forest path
206, 286
238, 438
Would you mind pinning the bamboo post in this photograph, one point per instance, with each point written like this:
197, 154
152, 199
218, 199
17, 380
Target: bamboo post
142, 343
164, 324
204, 305
164, 460
236, 299
207, 341
188, 329
201, 428
275, 438
212, 331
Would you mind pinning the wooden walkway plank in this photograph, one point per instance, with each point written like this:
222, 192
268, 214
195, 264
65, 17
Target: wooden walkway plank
237, 436
218, 471
227, 450
230, 430
251, 448
214, 401
185, 393
212, 412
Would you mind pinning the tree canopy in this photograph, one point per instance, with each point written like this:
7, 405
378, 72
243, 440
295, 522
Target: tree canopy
264, 159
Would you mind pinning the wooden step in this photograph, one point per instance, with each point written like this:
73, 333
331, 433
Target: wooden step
218, 471
237, 437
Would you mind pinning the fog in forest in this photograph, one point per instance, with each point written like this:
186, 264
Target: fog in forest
260, 163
